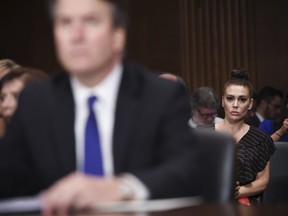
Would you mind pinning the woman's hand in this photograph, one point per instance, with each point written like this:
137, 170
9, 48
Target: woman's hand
284, 127
279, 133
258, 185
237, 188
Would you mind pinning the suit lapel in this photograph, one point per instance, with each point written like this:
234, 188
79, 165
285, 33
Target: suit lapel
127, 103
63, 109
126, 113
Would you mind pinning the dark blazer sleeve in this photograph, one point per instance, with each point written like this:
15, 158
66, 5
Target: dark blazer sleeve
15, 164
160, 150
176, 171
38, 147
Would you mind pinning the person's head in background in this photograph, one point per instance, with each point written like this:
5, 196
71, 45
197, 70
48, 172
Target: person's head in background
169, 76
6, 65
269, 102
174, 77
12, 84
204, 106
278, 121
90, 37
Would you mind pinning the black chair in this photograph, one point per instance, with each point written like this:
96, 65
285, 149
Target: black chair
217, 166
277, 190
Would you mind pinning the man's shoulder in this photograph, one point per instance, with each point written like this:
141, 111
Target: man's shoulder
43, 89
146, 78
138, 72
147, 86
59, 79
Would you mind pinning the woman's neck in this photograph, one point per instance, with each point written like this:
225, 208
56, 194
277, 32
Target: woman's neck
233, 126
235, 129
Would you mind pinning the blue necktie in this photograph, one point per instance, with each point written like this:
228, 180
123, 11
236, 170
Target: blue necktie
93, 157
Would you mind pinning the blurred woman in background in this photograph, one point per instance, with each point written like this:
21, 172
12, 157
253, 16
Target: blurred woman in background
12, 84
6, 65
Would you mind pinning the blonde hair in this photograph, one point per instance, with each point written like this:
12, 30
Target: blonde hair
6, 65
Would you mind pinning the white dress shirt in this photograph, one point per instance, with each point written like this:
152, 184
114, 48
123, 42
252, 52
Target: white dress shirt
104, 109
192, 124
260, 117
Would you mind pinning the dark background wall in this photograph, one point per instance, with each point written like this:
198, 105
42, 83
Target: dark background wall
271, 29
161, 37
26, 34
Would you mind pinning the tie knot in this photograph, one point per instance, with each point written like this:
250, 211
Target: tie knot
91, 101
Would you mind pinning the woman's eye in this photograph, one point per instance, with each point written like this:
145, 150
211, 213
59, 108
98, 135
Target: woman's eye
229, 98
243, 100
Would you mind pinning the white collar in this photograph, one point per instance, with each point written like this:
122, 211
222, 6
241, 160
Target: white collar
191, 123
260, 117
106, 91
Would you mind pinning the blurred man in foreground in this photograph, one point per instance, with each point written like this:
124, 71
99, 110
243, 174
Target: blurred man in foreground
140, 146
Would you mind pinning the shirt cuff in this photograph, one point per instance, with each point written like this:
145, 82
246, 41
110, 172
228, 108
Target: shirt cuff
131, 186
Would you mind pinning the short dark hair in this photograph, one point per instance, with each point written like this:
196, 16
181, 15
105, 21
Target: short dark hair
205, 97
119, 11
268, 93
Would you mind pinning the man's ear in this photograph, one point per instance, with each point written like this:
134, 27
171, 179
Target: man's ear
119, 39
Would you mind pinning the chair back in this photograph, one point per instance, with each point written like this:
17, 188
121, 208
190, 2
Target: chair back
217, 165
277, 189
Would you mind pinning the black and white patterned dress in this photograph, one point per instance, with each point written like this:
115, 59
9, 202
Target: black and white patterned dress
253, 152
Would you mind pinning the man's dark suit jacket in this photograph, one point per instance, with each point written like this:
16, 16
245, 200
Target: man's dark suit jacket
151, 137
